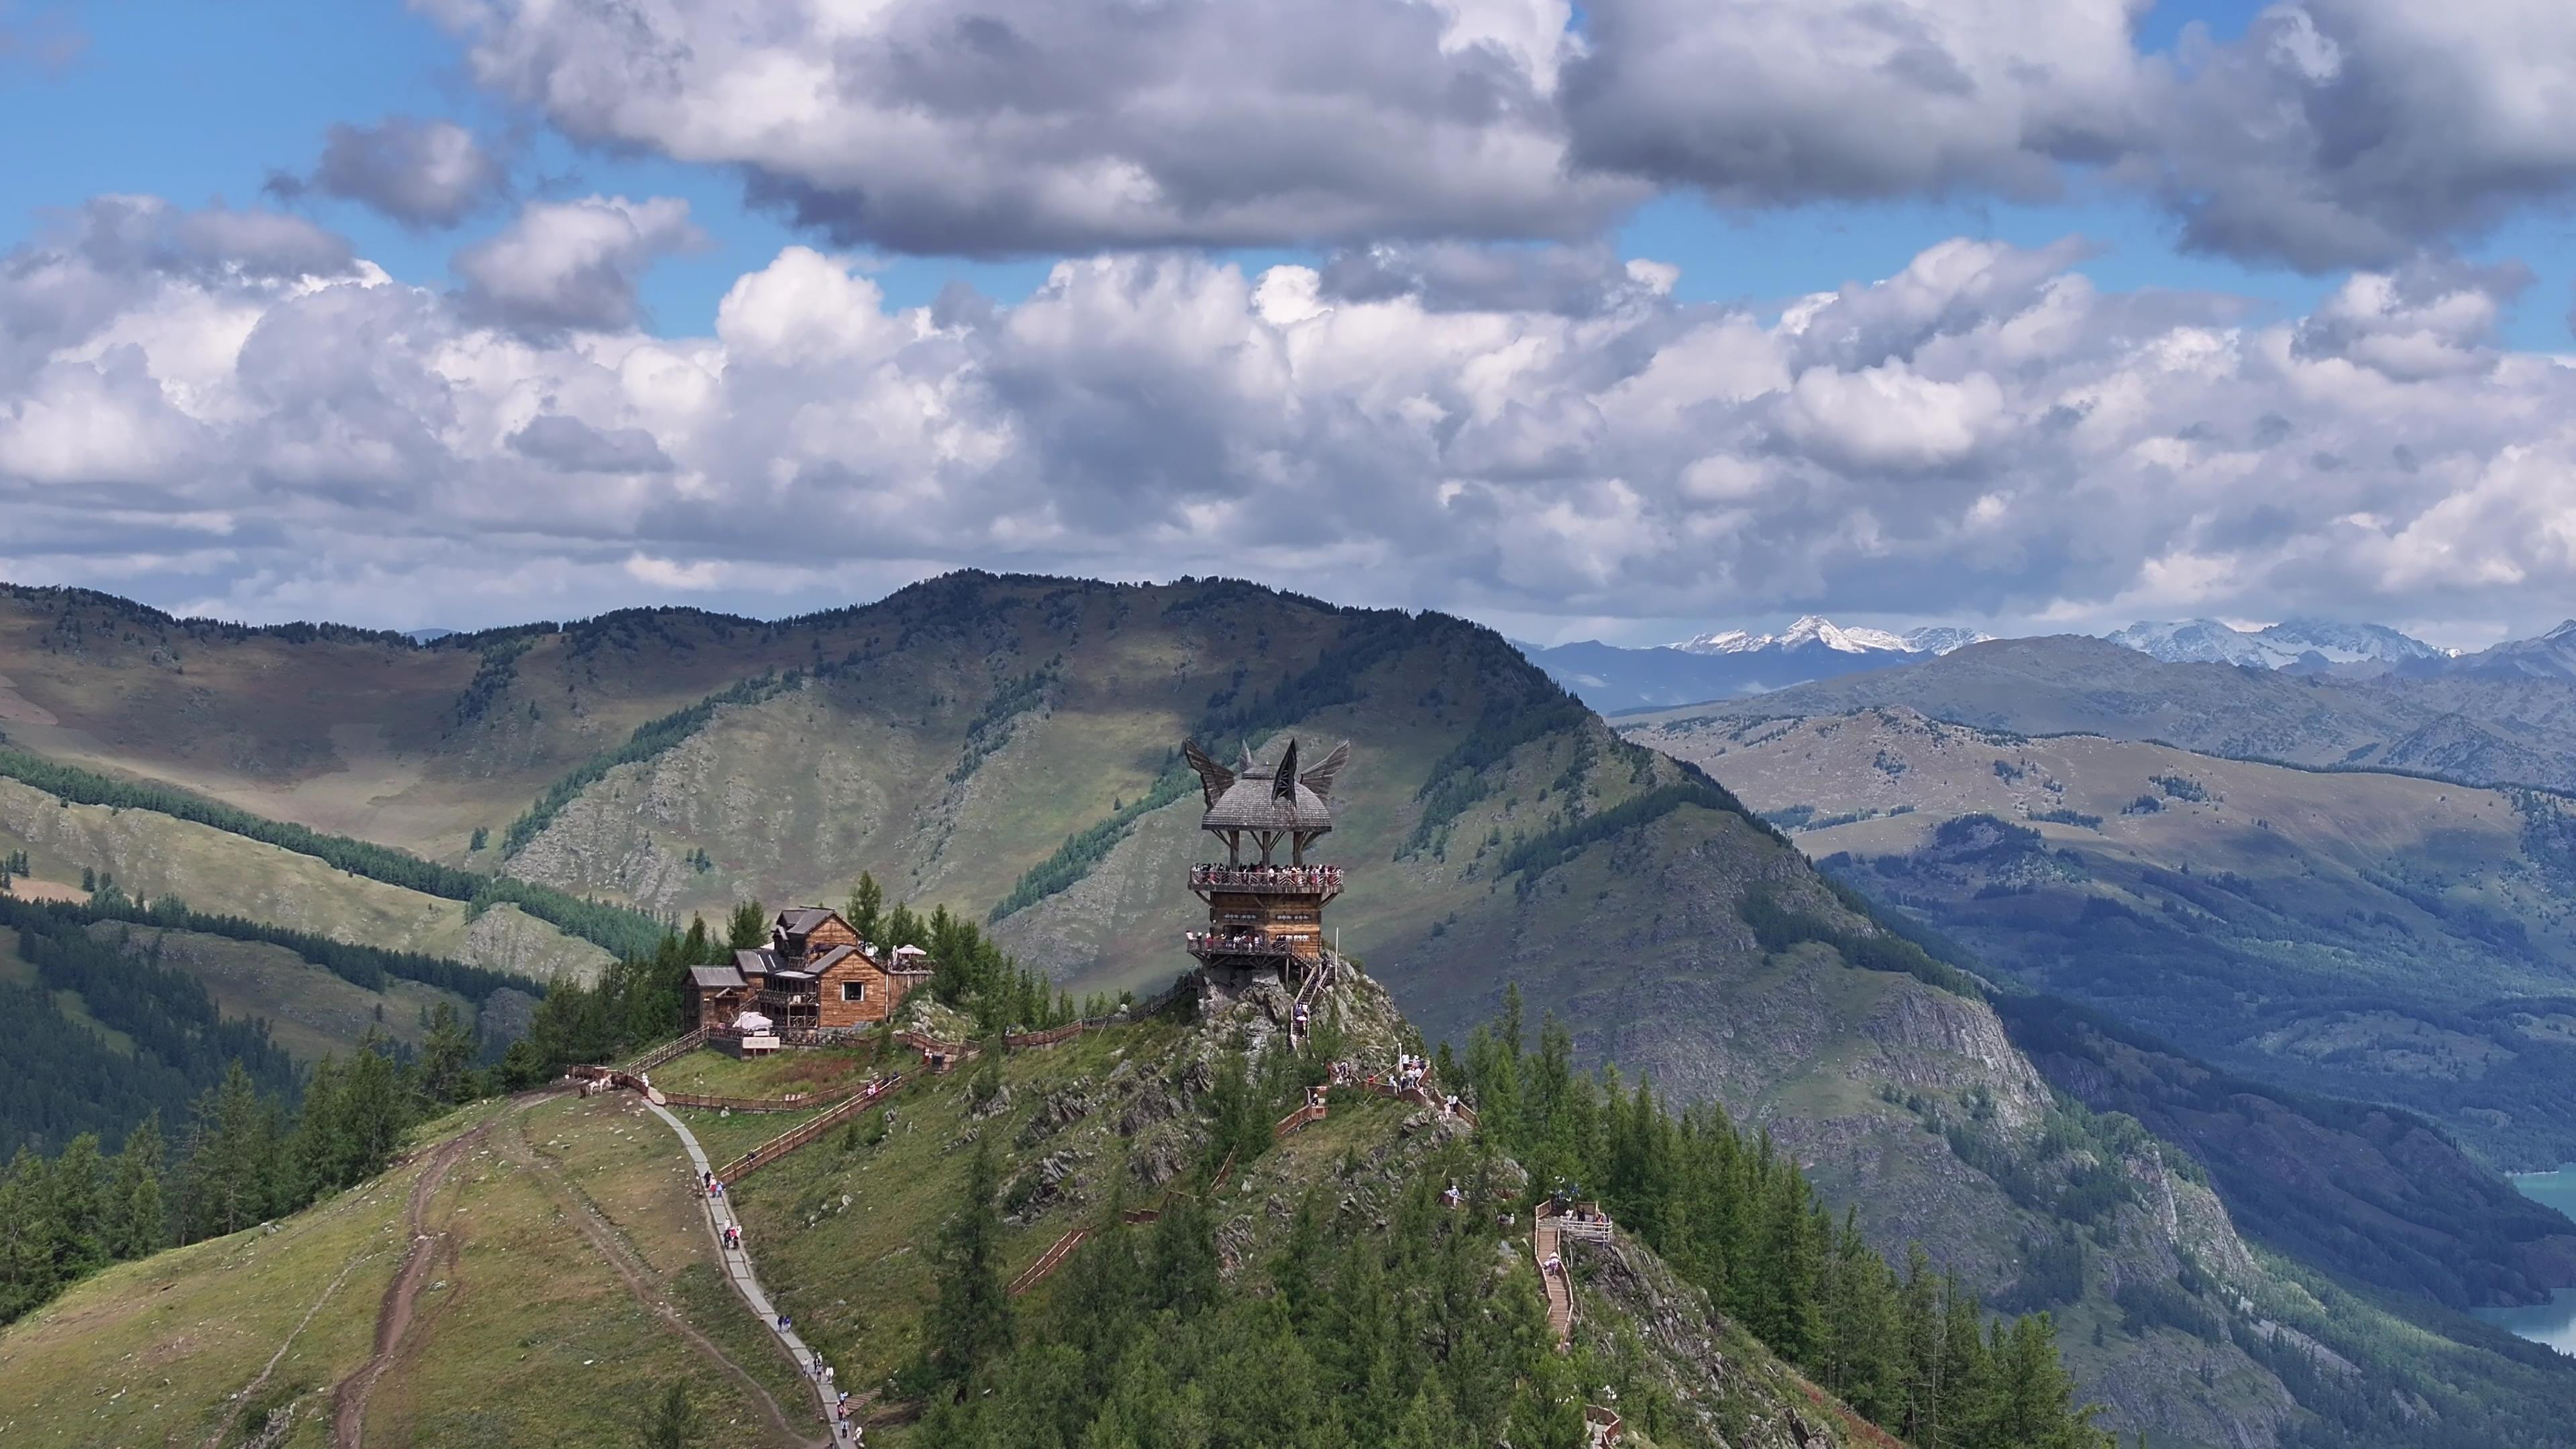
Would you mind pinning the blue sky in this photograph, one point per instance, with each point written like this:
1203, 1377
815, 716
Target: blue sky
1894, 485
197, 103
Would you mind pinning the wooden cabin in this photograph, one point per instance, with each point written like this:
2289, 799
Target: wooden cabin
717, 994
819, 974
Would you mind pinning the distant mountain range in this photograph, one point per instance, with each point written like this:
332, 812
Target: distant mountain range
1736, 663
2307, 646
1733, 663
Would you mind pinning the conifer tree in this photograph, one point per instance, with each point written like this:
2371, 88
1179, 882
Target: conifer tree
971, 1323
138, 1220
866, 911
445, 1053
226, 1181
27, 1272
748, 928
78, 1190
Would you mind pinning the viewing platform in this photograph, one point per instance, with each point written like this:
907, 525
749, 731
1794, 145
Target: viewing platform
1215, 946
1320, 882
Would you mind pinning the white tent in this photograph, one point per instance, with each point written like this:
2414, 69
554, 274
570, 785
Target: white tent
751, 1022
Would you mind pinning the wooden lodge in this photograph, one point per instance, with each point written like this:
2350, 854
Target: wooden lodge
814, 975
1265, 899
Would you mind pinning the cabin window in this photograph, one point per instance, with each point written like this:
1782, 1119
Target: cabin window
854, 991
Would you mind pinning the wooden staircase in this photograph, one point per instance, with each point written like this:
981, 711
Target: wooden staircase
1560, 1293
677, 1046
804, 1132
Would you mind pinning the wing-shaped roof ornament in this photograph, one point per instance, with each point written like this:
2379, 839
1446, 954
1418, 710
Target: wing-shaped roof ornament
1320, 779
1213, 777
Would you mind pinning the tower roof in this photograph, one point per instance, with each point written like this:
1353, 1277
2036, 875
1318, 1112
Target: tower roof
1275, 796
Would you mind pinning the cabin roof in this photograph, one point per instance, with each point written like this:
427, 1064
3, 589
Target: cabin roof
834, 957
802, 919
758, 961
715, 978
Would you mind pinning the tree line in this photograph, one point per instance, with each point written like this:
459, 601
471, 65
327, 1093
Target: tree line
247, 1156
62, 1076
614, 928
1910, 1350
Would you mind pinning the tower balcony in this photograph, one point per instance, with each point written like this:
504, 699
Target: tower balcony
1319, 883
1212, 947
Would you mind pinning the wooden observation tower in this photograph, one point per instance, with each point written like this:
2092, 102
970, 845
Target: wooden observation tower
1266, 900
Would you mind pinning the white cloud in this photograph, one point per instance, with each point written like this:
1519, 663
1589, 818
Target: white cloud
1983, 433
573, 264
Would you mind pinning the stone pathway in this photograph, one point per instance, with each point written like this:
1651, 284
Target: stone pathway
737, 1266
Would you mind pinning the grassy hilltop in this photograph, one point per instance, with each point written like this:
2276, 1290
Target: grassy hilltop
570, 1279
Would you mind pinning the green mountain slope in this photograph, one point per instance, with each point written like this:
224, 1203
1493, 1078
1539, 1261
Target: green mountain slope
2357, 934
569, 1278
1007, 746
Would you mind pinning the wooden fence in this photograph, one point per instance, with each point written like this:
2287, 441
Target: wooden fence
1299, 1118
677, 1046
1048, 1261
792, 1102
1602, 1426
804, 1132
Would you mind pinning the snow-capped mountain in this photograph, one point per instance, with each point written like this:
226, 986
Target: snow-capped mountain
1813, 631
1942, 638
2551, 656
2311, 645
1733, 662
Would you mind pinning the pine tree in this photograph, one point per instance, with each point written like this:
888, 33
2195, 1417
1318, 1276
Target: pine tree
374, 1111
748, 928
1182, 1264
225, 1184
77, 1186
138, 1221
444, 1054
866, 913
27, 1272
971, 1323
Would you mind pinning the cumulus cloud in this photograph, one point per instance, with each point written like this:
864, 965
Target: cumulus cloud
1983, 433
2352, 132
1463, 277
420, 173
573, 264
1760, 102
2330, 133
1055, 125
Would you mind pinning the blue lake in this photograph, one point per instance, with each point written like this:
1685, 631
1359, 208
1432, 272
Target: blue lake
2554, 1322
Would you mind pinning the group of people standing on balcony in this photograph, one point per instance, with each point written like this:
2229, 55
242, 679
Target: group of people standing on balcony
1310, 877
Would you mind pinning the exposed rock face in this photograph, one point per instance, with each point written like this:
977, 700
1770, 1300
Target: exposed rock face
1727, 1391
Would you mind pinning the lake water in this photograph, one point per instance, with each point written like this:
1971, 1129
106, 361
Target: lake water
2554, 1322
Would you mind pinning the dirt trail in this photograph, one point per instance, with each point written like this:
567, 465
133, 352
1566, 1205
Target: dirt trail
393, 1316
594, 1226
251, 1390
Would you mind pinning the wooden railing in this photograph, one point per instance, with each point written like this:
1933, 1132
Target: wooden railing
804, 1132
792, 1102
1560, 1293
677, 1046
1311, 1113
1048, 1261
1063, 1248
